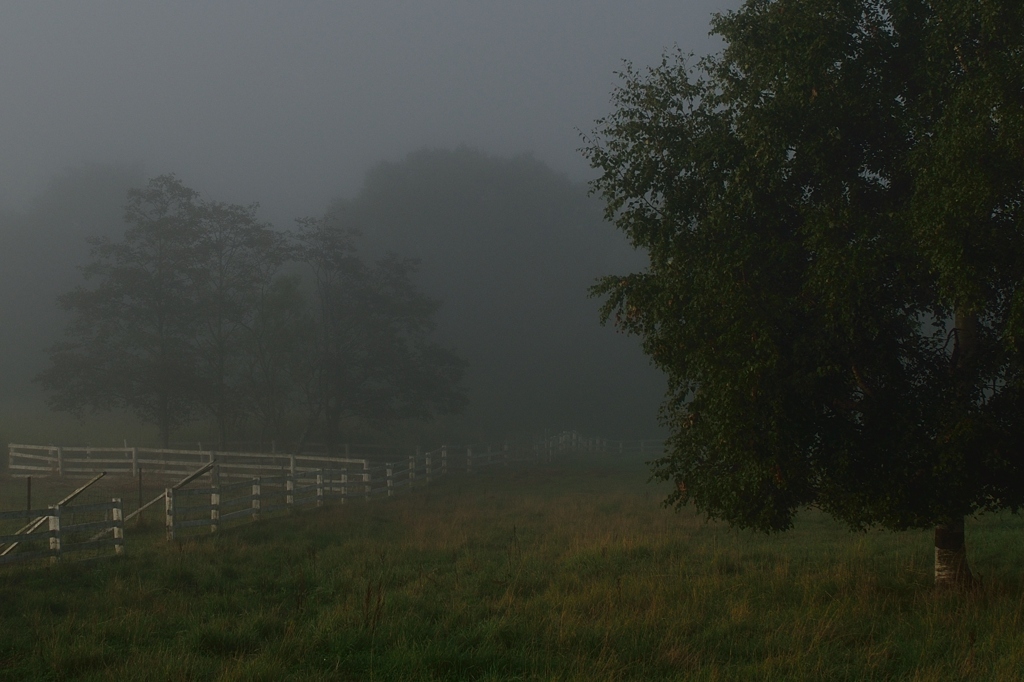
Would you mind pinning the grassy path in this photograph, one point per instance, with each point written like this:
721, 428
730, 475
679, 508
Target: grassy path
547, 573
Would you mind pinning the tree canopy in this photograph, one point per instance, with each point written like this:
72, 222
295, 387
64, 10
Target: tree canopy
832, 207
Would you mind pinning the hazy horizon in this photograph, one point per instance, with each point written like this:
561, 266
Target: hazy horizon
291, 104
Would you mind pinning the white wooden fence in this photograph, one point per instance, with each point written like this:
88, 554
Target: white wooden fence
64, 531
264, 483
35, 460
252, 499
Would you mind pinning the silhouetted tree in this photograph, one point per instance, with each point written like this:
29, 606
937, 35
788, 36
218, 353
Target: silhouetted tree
370, 354
130, 342
235, 261
190, 314
833, 213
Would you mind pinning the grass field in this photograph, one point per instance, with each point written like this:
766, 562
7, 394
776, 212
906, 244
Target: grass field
553, 572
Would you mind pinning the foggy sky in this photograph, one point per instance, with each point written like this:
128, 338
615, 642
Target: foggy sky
289, 103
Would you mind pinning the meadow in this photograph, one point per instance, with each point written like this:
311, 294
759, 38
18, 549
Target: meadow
563, 571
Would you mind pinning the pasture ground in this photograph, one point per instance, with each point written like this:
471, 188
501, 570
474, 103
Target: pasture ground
569, 571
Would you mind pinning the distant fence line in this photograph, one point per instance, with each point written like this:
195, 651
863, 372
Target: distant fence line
264, 483
254, 498
29, 460
262, 495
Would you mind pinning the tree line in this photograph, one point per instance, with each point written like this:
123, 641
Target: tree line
202, 311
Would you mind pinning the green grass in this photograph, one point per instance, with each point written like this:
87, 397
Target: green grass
552, 572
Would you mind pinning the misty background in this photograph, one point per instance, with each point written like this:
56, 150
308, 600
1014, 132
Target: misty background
446, 131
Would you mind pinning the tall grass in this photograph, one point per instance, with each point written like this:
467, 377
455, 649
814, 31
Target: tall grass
549, 573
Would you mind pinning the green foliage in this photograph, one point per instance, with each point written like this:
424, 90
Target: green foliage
832, 210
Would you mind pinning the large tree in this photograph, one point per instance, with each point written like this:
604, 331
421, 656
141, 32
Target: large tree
832, 207
130, 341
235, 262
371, 354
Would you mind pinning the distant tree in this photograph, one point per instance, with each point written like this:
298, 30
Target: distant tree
277, 364
370, 353
235, 260
511, 245
190, 314
130, 341
832, 208
41, 252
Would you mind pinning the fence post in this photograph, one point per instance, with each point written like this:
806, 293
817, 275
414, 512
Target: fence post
256, 499
289, 491
169, 511
215, 498
444, 460
412, 469
118, 514
366, 479
469, 460
344, 486
320, 488
60, 461
135, 461
54, 526
391, 480
291, 465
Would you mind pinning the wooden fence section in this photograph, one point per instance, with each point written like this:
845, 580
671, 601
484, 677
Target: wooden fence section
212, 506
64, 531
30, 460
248, 486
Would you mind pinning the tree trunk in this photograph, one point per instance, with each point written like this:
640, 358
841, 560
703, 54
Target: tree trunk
951, 569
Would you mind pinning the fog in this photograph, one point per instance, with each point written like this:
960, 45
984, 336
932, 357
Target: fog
296, 106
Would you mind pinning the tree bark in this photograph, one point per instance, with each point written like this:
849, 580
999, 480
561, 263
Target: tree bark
951, 569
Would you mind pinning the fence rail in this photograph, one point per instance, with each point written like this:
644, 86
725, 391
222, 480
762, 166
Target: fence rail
60, 537
28, 460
